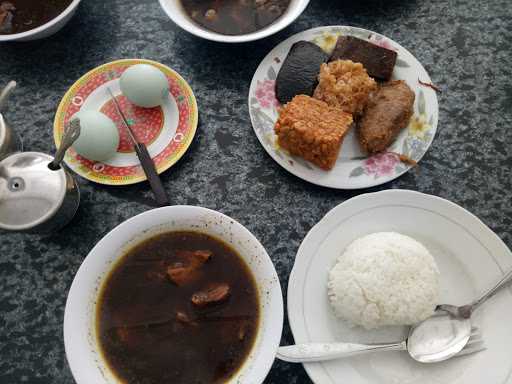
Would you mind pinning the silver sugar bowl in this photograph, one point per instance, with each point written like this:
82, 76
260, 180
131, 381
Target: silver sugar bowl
33, 197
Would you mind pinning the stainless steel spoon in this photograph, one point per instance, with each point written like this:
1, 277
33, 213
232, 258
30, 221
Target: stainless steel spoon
465, 311
70, 136
429, 342
4, 94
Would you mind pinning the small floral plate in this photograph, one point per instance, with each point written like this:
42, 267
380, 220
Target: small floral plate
167, 130
353, 169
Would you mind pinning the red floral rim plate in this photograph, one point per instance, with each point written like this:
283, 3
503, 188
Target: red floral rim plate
167, 130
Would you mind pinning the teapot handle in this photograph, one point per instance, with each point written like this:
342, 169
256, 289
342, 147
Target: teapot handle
4, 94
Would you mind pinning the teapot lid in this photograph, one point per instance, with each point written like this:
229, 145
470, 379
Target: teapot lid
30, 192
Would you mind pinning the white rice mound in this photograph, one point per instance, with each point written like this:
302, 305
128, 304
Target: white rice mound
384, 278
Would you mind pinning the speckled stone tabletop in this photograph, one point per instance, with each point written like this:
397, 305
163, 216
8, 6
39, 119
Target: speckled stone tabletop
465, 45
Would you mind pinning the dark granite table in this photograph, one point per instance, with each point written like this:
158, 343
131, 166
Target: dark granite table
465, 45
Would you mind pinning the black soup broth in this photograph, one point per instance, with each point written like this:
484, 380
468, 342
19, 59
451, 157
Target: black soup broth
18, 16
180, 307
235, 17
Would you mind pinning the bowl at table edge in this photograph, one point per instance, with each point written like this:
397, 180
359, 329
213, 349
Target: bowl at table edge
177, 13
80, 341
47, 29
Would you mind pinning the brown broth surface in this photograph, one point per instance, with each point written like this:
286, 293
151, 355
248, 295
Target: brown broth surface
29, 14
235, 17
140, 335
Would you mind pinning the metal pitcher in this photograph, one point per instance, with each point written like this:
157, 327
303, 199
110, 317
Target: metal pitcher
33, 197
10, 142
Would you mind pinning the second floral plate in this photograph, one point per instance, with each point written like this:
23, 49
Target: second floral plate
353, 170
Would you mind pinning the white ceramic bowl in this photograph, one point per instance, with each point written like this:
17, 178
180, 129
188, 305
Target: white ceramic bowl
82, 351
47, 29
177, 13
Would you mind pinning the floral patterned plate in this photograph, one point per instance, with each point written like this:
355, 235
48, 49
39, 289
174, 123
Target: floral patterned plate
353, 169
167, 131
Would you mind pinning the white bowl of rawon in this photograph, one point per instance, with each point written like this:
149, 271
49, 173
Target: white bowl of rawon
213, 20
204, 303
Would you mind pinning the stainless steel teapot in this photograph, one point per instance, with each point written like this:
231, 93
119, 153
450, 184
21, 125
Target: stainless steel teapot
37, 194
34, 197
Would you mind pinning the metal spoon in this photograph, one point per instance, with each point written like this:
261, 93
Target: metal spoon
465, 311
428, 342
70, 135
4, 94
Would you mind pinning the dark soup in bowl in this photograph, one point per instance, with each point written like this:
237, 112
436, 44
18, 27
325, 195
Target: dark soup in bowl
180, 307
235, 17
18, 16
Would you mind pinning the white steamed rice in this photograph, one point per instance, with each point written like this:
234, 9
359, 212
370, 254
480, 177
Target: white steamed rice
384, 278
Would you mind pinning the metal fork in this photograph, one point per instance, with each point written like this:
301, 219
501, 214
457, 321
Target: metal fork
475, 343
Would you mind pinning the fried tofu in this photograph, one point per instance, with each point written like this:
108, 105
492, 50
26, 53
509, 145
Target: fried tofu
313, 130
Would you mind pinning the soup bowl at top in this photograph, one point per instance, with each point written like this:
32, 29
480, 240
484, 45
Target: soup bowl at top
47, 29
80, 335
177, 13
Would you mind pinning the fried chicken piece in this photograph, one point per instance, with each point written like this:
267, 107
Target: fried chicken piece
344, 84
386, 114
213, 295
311, 129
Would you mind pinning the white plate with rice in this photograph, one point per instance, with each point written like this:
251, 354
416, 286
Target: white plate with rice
470, 257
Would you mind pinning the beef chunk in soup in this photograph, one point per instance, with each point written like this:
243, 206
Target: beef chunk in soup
186, 270
213, 295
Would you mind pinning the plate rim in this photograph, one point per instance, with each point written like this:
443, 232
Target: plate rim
185, 145
486, 236
293, 171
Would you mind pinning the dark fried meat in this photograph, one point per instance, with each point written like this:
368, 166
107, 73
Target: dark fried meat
388, 112
213, 295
